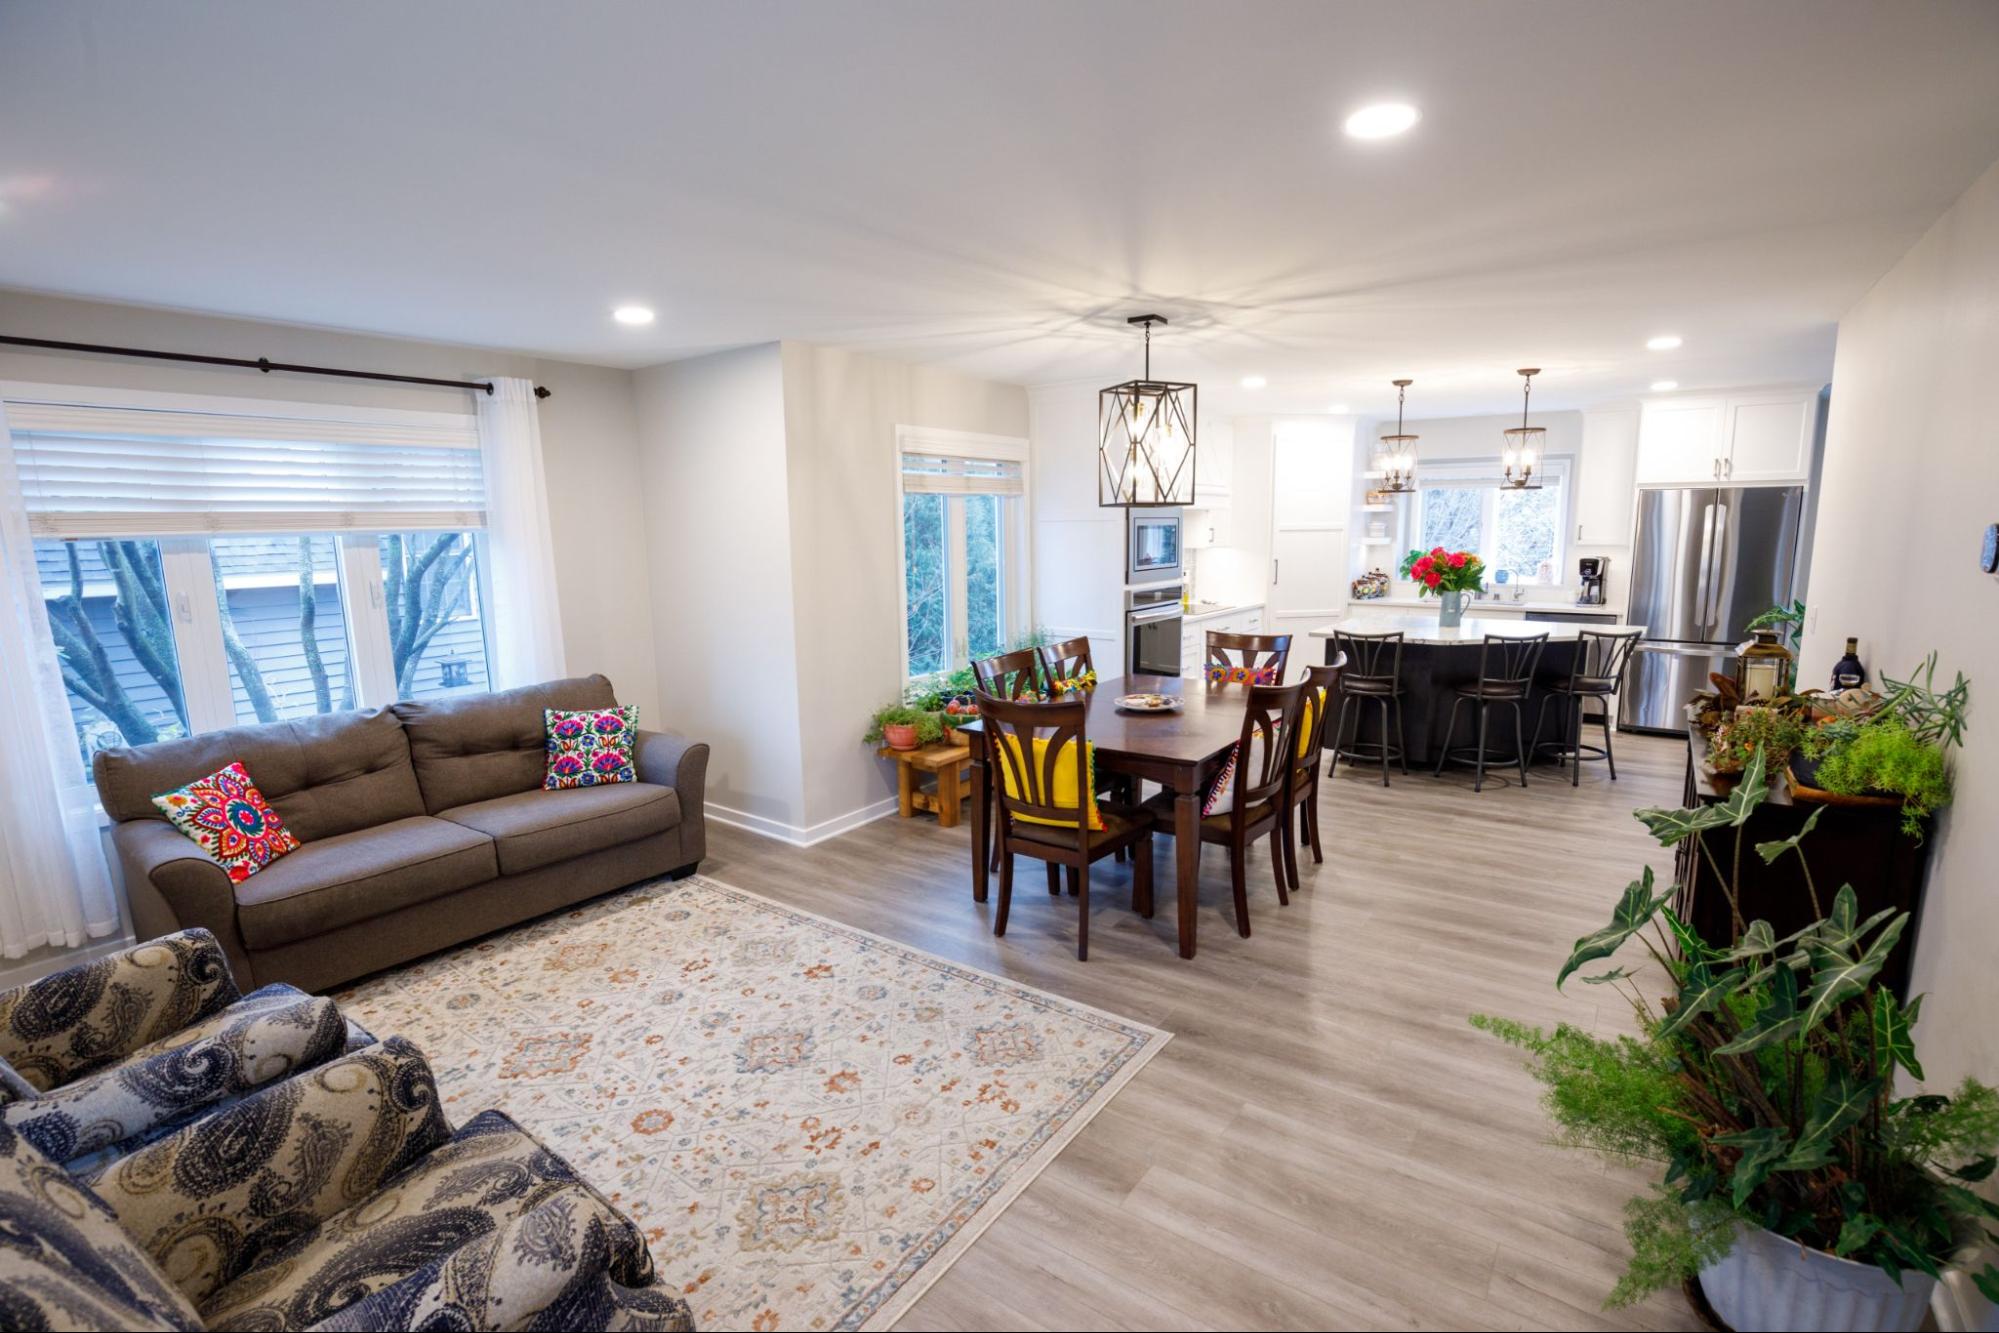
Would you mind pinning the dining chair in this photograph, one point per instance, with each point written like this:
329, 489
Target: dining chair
1506, 665
1260, 773
1259, 654
1065, 660
1014, 675
1596, 672
1321, 687
1373, 674
1042, 778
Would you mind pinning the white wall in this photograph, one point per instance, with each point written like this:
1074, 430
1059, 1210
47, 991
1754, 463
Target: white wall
1079, 557
1910, 480
718, 538
841, 409
587, 433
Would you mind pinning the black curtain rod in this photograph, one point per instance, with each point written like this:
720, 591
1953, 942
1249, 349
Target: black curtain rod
262, 363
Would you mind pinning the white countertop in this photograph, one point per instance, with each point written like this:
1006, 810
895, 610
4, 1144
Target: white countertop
1473, 629
1207, 611
1489, 604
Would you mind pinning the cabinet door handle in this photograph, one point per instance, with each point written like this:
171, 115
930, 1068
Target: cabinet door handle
1579, 532
1273, 573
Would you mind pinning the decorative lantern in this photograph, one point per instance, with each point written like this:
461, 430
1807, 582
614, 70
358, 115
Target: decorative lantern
1145, 438
1397, 460
1524, 443
1763, 666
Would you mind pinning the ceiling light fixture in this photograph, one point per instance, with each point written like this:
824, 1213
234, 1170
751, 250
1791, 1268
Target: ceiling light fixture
1254, 381
635, 316
1664, 386
1397, 459
1523, 442
1383, 120
1145, 437
1665, 342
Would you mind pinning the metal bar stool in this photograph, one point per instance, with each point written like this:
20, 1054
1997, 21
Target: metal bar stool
1506, 665
1597, 673
1373, 675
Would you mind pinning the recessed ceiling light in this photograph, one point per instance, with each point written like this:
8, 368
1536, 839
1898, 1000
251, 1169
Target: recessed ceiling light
1383, 120
635, 315
1254, 381
1664, 386
1665, 342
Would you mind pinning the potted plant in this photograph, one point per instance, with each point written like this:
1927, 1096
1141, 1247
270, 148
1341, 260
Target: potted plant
1775, 729
1448, 574
1898, 752
1797, 1189
902, 727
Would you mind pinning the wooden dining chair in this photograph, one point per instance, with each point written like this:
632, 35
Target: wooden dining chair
1321, 691
1014, 675
1066, 660
1265, 755
1042, 776
1250, 652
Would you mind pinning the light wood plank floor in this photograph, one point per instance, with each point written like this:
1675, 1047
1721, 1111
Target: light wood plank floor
1324, 1143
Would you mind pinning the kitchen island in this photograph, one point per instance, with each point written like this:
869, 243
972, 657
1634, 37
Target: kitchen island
1436, 660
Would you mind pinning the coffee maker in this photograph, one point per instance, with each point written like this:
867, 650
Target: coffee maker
1594, 569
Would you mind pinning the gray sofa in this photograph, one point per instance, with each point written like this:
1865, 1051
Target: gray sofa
423, 825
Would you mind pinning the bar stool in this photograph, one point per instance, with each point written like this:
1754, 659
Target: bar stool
1506, 665
1597, 673
1373, 675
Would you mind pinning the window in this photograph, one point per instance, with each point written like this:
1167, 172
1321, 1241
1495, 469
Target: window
204, 569
963, 566
1463, 507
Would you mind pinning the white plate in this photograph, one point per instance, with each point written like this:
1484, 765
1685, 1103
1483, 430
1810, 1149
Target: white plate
1142, 703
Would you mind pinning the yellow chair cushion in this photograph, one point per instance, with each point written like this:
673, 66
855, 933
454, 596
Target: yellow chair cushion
1314, 700
1064, 791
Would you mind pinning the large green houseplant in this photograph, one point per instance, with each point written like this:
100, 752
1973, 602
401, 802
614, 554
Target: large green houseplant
1763, 1084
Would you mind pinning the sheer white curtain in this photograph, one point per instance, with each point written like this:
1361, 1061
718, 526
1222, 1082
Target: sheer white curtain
520, 560
54, 886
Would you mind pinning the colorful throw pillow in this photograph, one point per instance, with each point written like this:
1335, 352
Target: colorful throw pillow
1314, 700
228, 817
1242, 675
591, 747
1064, 791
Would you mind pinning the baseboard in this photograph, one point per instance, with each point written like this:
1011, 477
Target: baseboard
796, 835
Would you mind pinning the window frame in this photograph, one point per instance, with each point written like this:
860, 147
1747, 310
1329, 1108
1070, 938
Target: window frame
1016, 575
1485, 474
189, 576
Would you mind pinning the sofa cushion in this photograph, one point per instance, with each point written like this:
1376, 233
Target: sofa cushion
65, 1262
537, 828
325, 775
335, 882
480, 746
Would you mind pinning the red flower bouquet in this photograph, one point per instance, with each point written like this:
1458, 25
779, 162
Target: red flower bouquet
1439, 571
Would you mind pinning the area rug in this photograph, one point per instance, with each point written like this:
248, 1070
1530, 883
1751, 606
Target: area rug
809, 1122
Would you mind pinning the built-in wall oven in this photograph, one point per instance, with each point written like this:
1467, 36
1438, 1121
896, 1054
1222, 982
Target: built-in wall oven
1152, 630
1152, 546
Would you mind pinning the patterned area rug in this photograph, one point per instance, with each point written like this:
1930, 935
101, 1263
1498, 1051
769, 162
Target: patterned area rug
809, 1122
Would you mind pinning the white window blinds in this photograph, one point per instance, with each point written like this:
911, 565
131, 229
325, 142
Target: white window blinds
103, 471
948, 475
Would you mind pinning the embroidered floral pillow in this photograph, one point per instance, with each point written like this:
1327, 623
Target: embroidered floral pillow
591, 747
228, 817
1242, 675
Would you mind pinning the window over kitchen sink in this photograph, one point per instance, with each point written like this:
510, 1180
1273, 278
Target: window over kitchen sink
1467, 507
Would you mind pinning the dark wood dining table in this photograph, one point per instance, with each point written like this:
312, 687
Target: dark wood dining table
1181, 751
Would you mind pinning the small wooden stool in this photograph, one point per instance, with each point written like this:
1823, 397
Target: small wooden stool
951, 761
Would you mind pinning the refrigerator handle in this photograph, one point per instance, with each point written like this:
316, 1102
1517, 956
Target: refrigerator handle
1720, 581
1703, 589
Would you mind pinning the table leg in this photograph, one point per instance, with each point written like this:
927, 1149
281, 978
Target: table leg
1187, 847
981, 826
905, 790
948, 796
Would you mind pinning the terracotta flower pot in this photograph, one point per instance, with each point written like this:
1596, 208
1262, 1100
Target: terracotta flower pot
900, 735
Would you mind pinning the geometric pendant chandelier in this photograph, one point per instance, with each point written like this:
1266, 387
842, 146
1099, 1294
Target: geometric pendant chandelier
1145, 437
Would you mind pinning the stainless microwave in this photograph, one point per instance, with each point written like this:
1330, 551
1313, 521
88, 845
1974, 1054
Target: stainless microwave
1152, 546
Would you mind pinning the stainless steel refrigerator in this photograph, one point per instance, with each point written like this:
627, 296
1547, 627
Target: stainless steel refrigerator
1705, 563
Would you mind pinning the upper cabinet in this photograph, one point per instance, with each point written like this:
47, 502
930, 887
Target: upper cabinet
1214, 464
1603, 477
1749, 437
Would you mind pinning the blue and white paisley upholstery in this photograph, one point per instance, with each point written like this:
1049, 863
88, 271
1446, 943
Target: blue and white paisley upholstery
265, 1036
65, 1263
491, 1230
73, 1023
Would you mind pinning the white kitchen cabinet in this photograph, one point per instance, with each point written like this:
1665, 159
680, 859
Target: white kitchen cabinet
1604, 472
1214, 465
1194, 637
1203, 528
1748, 437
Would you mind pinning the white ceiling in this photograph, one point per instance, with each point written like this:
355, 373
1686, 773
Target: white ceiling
994, 187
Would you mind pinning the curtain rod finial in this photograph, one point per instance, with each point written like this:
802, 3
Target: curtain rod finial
540, 392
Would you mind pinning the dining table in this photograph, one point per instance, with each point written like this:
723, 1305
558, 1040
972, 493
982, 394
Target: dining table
1181, 750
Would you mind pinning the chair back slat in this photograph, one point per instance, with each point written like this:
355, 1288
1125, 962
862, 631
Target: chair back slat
1510, 659
1066, 660
1602, 658
1256, 652
1028, 776
1269, 742
1320, 678
1371, 658
1013, 675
